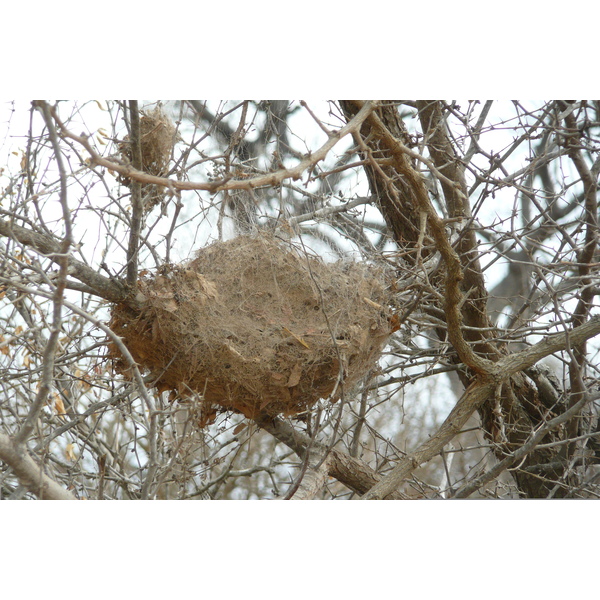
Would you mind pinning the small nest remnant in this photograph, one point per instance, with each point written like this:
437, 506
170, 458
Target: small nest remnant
254, 326
158, 136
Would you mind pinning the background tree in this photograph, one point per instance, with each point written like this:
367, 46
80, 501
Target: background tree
486, 212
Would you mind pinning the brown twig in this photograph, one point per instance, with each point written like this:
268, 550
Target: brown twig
352, 472
49, 247
521, 452
137, 207
473, 398
62, 260
270, 179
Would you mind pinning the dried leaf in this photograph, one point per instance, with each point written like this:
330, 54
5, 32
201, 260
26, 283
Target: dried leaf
70, 452
373, 304
199, 283
170, 305
395, 322
59, 405
238, 428
298, 339
278, 378
295, 375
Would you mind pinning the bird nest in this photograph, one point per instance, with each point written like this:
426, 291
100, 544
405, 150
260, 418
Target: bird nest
157, 140
255, 326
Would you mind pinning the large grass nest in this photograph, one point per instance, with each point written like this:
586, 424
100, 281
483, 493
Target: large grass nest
255, 326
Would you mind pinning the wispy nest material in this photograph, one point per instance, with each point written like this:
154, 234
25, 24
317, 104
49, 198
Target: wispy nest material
255, 326
158, 136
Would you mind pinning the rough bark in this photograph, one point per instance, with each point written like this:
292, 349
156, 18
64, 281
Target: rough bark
352, 472
110, 289
513, 408
29, 473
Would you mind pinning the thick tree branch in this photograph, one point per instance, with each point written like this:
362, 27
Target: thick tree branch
454, 298
556, 342
313, 480
471, 400
29, 474
49, 247
521, 452
443, 155
577, 364
404, 199
352, 472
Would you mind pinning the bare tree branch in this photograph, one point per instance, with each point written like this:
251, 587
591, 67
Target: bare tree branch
473, 398
270, 179
137, 207
29, 473
352, 472
521, 452
313, 481
58, 295
474, 395
110, 289
551, 344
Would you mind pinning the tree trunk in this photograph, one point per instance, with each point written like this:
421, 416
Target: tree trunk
517, 408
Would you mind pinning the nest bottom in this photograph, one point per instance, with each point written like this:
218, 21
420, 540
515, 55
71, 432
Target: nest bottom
254, 326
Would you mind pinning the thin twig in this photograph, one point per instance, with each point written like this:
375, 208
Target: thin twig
473, 398
137, 207
50, 248
327, 211
57, 297
275, 178
524, 450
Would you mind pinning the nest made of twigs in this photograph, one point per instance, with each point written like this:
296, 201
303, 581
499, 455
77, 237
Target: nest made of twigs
255, 326
158, 135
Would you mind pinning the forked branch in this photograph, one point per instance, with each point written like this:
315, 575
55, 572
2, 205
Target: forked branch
473, 398
269, 179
